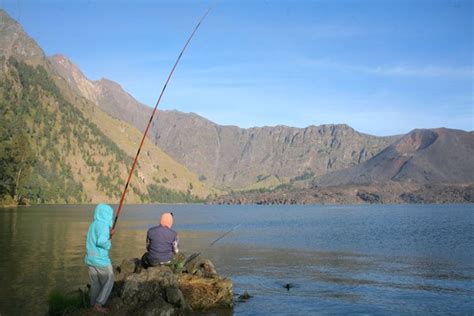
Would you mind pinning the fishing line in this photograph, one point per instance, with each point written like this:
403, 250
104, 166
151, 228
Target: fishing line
197, 254
119, 209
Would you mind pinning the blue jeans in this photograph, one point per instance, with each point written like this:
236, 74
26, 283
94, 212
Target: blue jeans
102, 282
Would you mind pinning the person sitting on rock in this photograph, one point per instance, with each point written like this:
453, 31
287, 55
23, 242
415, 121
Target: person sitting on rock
162, 244
98, 244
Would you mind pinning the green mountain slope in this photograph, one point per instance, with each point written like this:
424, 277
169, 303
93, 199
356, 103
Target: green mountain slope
57, 147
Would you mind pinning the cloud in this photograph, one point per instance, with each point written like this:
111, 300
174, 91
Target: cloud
420, 71
400, 70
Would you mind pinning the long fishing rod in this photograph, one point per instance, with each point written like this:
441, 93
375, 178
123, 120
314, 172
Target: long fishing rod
119, 209
197, 254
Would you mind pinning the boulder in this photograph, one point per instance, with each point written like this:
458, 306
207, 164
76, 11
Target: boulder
140, 288
159, 291
202, 268
175, 296
204, 293
127, 267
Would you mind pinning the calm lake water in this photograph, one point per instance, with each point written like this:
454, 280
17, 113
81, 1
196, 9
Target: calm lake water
396, 259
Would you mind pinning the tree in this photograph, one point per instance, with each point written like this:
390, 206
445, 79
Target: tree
16, 161
24, 158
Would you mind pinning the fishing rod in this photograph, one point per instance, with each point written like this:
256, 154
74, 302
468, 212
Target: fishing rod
119, 209
197, 254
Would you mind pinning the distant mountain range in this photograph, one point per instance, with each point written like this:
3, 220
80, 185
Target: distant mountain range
229, 156
189, 155
426, 156
423, 166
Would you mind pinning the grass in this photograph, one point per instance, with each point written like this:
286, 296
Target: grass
60, 303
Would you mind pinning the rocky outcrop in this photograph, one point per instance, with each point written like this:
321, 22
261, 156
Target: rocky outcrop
159, 291
428, 156
104, 93
14, 42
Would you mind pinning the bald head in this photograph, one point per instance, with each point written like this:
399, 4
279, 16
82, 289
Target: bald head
166, 220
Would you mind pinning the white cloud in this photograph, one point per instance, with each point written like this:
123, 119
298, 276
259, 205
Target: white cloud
400, 70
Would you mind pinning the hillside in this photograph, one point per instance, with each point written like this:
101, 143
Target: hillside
239, 158
58, 147
228, 156
423, 156
423, 166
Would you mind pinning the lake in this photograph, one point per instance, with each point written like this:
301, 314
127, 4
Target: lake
369, 259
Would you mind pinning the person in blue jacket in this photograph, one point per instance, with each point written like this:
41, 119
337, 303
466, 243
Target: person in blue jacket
98, 244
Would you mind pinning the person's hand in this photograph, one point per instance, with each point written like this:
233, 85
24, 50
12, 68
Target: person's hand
112, 232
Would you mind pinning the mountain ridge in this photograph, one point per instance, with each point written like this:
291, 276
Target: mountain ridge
423, 156
229, 156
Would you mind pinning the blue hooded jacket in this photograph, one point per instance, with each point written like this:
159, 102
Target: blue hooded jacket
98, 237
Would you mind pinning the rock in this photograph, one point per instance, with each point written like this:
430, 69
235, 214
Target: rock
245, 296
203, 268
139, 288
158, 291
157, 307
128, 266
369, 197
204, 293
411, 198
175, 296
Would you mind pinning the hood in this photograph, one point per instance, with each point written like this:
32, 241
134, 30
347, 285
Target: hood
104, 213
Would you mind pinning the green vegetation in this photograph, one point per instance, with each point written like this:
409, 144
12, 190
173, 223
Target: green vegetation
49, 149
62, 304
160, 194
305, 176
16, 160
39, 130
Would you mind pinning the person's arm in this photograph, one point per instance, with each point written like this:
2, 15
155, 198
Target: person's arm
103, 240
175, 245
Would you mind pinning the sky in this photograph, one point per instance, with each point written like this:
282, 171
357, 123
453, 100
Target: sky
382, 67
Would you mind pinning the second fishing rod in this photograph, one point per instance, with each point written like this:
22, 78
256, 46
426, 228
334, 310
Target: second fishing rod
197, 254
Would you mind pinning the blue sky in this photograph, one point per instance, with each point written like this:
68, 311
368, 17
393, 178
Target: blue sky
382, 67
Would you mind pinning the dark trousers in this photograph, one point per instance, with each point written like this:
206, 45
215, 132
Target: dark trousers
148, 262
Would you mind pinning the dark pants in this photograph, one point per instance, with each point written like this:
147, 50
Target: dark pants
176, 264
148, 262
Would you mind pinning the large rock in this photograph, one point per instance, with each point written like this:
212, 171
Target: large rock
204, 293
140, 288
158, 291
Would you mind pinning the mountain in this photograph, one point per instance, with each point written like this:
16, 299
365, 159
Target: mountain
58, 147
423, 166
229, 156
236, 157
14, 42
438, 155
106, 94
